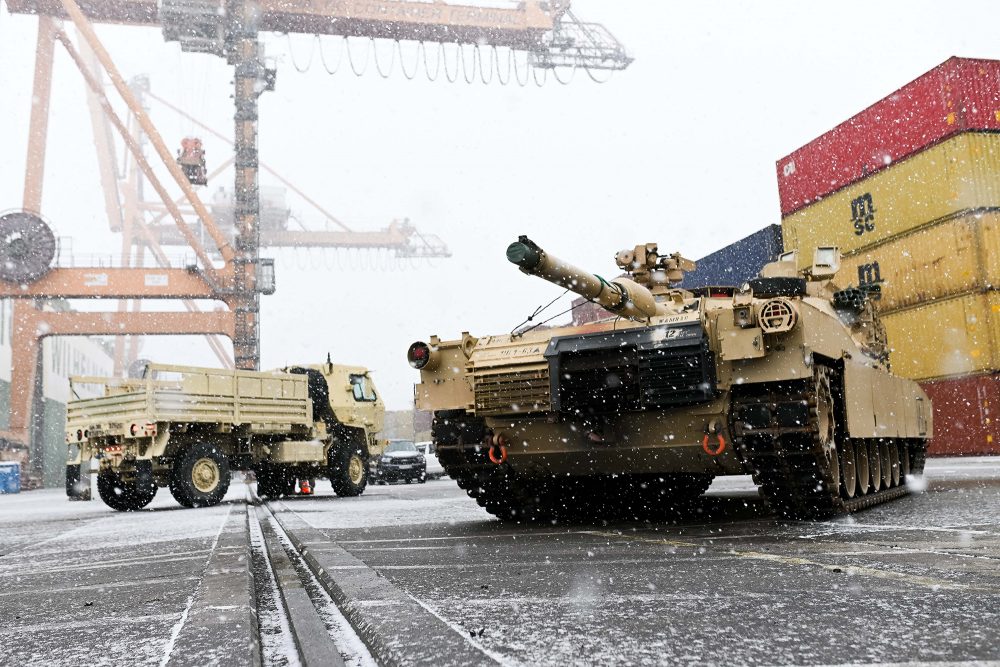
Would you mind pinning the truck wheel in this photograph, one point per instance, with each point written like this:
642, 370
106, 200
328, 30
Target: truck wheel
200, 477
125, 496
348, 470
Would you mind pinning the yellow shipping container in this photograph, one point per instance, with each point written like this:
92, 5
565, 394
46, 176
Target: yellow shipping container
960, 174
956, 255
945, 338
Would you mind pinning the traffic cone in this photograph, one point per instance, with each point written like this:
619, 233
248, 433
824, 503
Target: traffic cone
305, 487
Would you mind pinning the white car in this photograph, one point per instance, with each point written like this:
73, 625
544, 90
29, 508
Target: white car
434, 468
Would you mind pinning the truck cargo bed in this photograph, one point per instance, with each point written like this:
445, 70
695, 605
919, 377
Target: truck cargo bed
264, 401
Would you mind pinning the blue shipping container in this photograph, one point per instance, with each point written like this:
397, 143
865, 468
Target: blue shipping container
10, 477
737, 263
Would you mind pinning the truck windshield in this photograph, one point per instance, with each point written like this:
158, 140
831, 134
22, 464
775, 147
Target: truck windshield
362, 389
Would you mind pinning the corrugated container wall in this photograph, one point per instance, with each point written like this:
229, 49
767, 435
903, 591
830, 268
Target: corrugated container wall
948, 338
966, 412
958, 175
952, 257
959, 95
738, 262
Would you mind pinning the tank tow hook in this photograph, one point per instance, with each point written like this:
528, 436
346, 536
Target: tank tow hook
498, 449
713, 429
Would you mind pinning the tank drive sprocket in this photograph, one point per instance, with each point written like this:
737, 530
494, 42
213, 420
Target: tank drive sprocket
27, 247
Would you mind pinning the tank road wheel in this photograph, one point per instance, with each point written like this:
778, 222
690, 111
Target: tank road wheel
127, 496
883, 454
875, 466
864, 469
347, 466
200, 476
848, 470
827, 426
894, 461
904, 461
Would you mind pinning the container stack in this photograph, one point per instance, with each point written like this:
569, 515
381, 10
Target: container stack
909, 190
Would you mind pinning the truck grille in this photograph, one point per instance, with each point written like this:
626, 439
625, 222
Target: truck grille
518, 391
398, 461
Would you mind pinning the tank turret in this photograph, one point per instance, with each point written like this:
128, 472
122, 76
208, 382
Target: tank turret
637, 299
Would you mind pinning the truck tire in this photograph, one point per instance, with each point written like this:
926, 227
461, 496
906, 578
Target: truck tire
200, 476
125, 496
347, 466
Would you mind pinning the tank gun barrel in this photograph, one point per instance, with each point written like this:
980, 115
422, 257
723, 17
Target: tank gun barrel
621, 295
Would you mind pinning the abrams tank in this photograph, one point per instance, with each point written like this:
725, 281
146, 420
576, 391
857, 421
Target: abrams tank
786, 378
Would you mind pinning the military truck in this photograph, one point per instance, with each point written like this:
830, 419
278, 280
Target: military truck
188, 428
785, 377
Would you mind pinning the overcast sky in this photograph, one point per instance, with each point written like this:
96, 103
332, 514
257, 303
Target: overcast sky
680, 149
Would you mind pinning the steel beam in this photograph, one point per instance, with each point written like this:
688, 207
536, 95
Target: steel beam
38, 128
88, 34
31, 326
117, 283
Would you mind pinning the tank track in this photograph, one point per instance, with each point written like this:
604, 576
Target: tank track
508, 495
787, 459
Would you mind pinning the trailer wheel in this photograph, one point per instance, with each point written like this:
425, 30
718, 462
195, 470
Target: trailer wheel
125, 496
200, 476
347, 466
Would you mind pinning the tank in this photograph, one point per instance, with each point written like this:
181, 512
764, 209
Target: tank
785, 377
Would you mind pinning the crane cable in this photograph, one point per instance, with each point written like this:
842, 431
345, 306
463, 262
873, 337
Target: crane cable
468, 63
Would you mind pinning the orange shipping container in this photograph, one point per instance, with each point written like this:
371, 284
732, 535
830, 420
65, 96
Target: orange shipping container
946, 338
957, 175
951, 257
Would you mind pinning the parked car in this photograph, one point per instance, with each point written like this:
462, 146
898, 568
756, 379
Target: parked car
434, 468
401, 461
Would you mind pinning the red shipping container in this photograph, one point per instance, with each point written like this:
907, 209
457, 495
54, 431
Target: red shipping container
966, 412
959, 95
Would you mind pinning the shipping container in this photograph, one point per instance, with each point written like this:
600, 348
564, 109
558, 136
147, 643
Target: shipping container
959, 95
948, 338
951, 257
960, 174
965, 415
738, 262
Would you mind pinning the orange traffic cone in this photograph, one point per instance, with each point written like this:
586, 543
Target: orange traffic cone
305, 487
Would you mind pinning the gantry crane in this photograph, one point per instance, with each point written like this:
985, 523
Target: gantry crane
129, 211
546, 30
